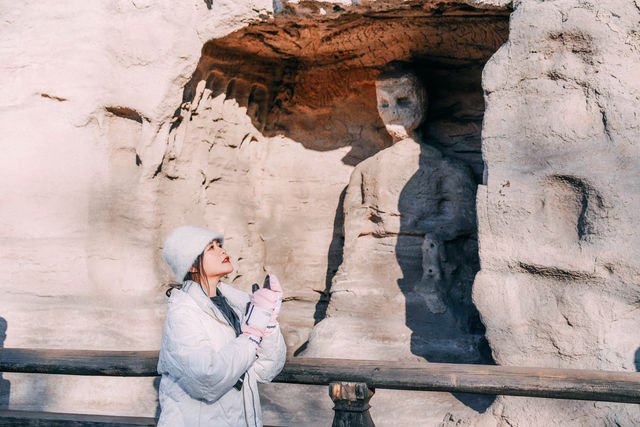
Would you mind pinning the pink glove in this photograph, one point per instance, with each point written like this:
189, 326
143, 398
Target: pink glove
259, 312
272, 282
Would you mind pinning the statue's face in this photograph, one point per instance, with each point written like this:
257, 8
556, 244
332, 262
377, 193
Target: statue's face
401, 105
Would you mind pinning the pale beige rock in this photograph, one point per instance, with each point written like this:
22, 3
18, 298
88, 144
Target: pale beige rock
271, 197
114, 131
558, 218
393, 296
97, 168
88, 93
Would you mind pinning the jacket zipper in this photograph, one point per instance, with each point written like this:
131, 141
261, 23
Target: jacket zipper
253, 404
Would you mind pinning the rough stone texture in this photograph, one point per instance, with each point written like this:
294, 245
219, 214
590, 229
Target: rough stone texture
106, 147
124, 118
309, 75
403, 290
558, 218
378, 294
275, 81
270, 196
88, 93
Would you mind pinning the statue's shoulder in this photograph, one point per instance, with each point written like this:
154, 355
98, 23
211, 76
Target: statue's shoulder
371, 161
405, 149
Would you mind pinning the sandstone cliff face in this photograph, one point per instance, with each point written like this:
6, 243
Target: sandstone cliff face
124, 119
88, 93
558, 217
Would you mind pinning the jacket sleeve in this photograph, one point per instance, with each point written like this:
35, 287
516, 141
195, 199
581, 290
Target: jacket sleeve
190, 357
271, 356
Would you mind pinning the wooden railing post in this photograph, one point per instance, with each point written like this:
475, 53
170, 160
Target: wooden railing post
351, 404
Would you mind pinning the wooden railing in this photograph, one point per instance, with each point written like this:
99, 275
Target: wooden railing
352, 382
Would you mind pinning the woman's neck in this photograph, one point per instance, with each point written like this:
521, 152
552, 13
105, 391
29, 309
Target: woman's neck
209, 285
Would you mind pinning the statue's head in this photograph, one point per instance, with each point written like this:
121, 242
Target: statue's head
402, 99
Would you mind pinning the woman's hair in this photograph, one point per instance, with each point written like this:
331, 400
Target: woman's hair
196, 276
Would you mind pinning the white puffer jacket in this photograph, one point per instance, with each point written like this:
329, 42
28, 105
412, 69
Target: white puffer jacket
201, 359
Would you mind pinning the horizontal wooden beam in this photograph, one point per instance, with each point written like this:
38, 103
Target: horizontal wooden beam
79, 362
53, 419
576, 384
485, 379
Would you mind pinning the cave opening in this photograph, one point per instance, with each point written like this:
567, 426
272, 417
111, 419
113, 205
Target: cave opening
311, 77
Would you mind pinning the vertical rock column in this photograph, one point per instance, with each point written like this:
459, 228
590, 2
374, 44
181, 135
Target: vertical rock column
558, 219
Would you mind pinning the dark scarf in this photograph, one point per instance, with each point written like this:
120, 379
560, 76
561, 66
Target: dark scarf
229, 314
232, 318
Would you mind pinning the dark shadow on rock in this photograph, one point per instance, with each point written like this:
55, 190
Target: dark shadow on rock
334, 257
334, 260
301, 349
445, 325
5, 385
156, 385
636, 360
477, 402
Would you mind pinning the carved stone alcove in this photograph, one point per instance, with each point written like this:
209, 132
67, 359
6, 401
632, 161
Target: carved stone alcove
273, 121
308, 74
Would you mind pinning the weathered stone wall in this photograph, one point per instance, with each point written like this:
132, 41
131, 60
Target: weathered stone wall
558, 218
274, 82
123, 119
88, 93
106, 147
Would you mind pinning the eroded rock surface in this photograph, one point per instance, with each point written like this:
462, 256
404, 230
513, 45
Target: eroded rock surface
113, 137
308, 78
558, 218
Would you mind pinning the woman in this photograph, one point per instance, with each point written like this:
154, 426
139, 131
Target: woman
212, 354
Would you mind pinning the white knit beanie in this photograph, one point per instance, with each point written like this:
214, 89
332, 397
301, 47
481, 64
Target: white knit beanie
183, 246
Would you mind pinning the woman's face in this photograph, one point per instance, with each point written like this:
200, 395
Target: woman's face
215, 261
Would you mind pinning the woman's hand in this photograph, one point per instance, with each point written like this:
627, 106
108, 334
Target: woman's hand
272, 282
260, 311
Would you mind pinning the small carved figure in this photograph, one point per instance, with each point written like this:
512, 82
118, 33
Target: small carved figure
431, 276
